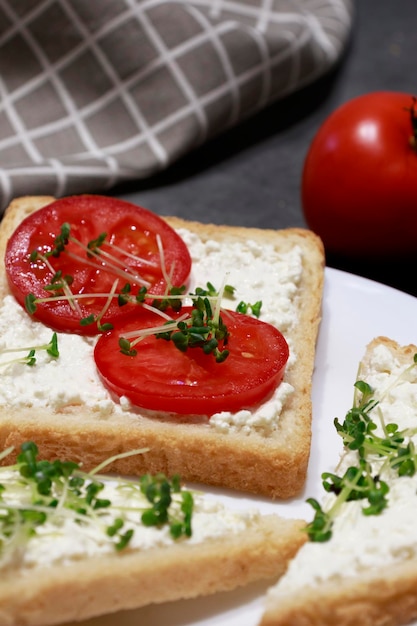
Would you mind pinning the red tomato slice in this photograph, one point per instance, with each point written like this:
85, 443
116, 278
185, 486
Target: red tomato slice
162, 378
128, 228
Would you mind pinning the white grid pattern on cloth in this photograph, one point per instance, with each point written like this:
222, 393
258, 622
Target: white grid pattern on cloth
265, 11
99, 124
117, 84
50, 166
18, 126
60, 88
230, 82
169, 61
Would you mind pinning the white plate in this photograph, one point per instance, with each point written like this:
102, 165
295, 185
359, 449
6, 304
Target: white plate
355, 310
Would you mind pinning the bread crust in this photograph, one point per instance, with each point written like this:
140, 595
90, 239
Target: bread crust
376, 597
105, 584
275, 466
379, 598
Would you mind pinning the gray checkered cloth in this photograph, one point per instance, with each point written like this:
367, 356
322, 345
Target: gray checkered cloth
96, 92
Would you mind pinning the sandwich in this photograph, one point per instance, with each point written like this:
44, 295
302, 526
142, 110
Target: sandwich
360, 564
241, 429
77, 544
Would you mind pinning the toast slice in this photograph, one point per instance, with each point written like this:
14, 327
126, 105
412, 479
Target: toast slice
366, 573
265, 452
66, 567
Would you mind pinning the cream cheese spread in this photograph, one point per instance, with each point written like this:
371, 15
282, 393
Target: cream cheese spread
62, 539
257, 272
359, 541
69, 380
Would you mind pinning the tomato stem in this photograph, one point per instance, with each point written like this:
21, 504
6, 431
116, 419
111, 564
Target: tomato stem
413, 118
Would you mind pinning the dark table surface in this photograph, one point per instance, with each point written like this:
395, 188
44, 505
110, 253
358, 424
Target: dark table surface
251, 175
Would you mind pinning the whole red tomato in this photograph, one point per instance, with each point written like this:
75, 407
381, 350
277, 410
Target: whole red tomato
359, 184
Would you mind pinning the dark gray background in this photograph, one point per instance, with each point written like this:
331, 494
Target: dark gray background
251, 175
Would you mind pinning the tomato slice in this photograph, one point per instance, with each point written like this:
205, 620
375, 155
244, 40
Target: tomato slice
162, 378
131, 241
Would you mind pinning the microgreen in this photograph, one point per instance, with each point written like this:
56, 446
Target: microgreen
210, 291
171, 300
59, 285
126, 347
124, 296
34, 492
94, 249
96, 319
246, 307
229, 291
94, 245
61, 241
203, 330
391, 451
159, 492
50, 348
30, 303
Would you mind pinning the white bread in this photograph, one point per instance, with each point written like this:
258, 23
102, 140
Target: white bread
273, 466
92, 584
366, 574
